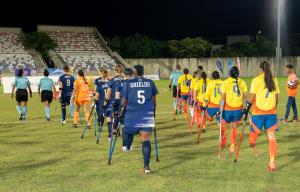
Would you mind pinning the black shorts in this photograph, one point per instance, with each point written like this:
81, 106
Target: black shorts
65, 99
21, 95
175, 91
46, 96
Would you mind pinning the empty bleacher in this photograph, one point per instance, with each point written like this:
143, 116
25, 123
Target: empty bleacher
80, 47
13, 54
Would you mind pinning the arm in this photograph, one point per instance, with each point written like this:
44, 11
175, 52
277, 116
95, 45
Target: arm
30, 91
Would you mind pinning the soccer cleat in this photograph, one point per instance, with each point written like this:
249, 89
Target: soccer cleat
109, 139
283, 120
146, 169
48, 118
232, 148
294, 120
74, 126
176, 112
63, 122
114, 132
272, 166
203, 130
88, 127
21, 117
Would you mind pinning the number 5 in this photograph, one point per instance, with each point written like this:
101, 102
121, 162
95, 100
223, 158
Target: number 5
141, 96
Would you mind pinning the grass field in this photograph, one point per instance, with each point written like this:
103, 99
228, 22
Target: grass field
44, 156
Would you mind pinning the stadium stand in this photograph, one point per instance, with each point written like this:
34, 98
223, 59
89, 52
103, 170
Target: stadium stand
13, 55
81, 48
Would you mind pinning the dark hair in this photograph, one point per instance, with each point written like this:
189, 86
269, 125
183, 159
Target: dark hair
185, 71
20, 73
195, 74
178, 67
46, 73
269, 81
81, 74
235, 73
139, 70
200, 67
119, 68
128, 72
290, 66
215, 75
66, 68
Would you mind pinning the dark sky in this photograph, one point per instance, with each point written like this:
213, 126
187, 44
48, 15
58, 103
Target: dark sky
161, 19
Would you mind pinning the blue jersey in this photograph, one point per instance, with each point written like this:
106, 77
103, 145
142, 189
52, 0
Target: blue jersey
97, 81
101, 88
21, 82
174, 77
139, 112
113, 84
120, 87
67, 81
46, 84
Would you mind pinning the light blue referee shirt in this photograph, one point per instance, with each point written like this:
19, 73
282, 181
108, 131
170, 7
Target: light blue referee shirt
175, 76
21, 82
46, 84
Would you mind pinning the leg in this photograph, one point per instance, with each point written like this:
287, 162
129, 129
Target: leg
63, 112
19, 110
233, 136
294, 106
87, 113
272, 149
47, 109
76, 113
25, 110
109, 126
288, 108
146, 149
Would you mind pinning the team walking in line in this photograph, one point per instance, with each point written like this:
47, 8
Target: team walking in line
128, 100
230, 102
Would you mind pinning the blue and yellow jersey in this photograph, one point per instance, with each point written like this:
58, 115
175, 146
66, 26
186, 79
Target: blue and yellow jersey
234, 91
200, 89
184, 82
265, 101
213, 93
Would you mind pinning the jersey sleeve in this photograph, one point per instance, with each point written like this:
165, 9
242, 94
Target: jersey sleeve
59, 79
111, 83
171, 76
244, 88
154, 89
254, 87
223, 88
294, 77
125, 91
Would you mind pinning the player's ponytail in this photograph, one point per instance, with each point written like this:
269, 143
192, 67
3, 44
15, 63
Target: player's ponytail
235, 73
269, 81
185, 72
81, 74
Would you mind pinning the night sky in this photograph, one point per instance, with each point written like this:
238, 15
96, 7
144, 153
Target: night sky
161, 19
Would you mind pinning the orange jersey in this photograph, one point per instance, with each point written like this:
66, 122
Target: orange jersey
292, 92
82, 89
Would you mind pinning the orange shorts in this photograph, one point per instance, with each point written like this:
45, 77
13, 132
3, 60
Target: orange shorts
81, 102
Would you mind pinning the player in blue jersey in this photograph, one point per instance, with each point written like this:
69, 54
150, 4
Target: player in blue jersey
119, 95
112, 114
21, 84
66, 86
45, 87
100, 97
139, 101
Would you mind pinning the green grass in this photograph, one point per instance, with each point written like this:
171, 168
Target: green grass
40, 156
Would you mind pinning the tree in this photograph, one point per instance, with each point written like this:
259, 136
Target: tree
265, 46
41, 42
190, 48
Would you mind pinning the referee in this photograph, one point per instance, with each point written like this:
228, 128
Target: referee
21, 84
173, 85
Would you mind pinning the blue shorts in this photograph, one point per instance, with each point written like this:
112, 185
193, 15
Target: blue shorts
185, 97
211, 112
232, 116
65, 99
258, 122
137, 130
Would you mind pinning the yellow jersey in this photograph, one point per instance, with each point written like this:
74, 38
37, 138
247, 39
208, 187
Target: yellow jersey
183, 81
200, 88
213, 93
193, 83
265, 101
234, 92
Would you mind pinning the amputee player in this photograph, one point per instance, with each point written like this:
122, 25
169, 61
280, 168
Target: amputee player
21, 84
233, 94
81, 97
192, 99
45, 87
119, 95
212, 97
173, 85
110, 100
264, 93
66, 87
100, 94
199, 95
184, 88
292, 91
139, 101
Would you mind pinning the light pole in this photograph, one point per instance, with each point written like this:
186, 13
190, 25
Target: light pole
278, 48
